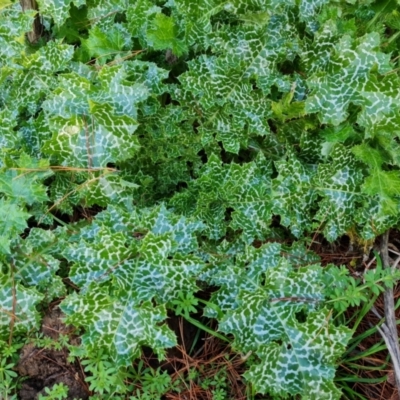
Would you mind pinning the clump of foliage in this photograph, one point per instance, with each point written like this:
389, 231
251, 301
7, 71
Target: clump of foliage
199, 129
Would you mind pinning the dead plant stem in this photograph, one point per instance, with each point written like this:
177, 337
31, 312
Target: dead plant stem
388, 330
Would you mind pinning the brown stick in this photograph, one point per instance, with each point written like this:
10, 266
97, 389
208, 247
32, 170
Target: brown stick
388, 330
37, 27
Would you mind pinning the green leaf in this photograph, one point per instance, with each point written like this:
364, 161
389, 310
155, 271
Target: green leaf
381, 187
244, 189
197, 18
163, 34
386, 185
35, 264
295, 357
305, 363
157, 266
140, 14
53, 57
369, 155
17, 308
220, 88
234, 277
12, 222
35, 77
107, 188
375, 217
119, 90
309, 9
70, 98
105, 138
380, 112
338, 183
65, 192
293, 194
21, 188
272, 306
57, 9
346, 78
8, 137
164, 178
145, 257
5, 3
118, 325
103, 12
107, 45
13, 26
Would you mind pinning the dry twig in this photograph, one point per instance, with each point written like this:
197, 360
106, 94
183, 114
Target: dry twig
388, 330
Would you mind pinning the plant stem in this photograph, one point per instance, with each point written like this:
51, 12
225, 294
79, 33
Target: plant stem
205, 328
389, 329
394, 37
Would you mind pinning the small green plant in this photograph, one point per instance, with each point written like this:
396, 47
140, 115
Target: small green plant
154, 384
9, 382
346, 291
7, 379
59, 391
217, 384
103, 377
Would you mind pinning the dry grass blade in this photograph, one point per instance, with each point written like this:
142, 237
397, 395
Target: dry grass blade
389, 328
192, 373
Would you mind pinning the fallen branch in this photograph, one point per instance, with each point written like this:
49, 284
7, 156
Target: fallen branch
37, 27
388, 330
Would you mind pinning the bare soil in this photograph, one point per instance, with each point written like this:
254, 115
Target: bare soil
47, 367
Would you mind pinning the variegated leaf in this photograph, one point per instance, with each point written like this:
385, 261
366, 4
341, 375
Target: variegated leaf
118, 325
18, 312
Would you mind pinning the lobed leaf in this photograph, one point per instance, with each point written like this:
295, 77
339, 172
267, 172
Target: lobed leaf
305, 363
119, 326
293, 194
58, 9
18, 312
338, 182
280, 321
347, 77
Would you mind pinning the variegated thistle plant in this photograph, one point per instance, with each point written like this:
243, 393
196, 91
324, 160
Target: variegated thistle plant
274, 119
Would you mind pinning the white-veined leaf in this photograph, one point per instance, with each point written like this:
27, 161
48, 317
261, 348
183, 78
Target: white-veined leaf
119, 326
17, 308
